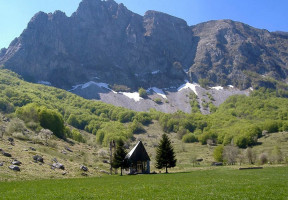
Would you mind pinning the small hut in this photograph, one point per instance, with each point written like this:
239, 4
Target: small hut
138, 159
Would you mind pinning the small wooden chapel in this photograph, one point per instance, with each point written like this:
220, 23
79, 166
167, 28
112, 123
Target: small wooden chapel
138, 159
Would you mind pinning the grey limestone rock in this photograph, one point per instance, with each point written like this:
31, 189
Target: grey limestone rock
14, 168
84, 168
16, 162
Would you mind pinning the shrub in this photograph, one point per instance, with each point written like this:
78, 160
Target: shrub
73, 121
189, 138
230, 154
218, 153
135, 127
100, 136
158, 101
204, 82
16, 125
207, 135
143, 117
263, 158
6, 107
76, 135
142, 93
271, 126
53, 121
181, 132
126, 116
29, 113
251, 155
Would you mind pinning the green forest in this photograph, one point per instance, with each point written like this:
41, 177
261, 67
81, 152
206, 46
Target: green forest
239, 120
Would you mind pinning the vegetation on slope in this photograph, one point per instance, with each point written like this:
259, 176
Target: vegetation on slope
32, 102
240, 120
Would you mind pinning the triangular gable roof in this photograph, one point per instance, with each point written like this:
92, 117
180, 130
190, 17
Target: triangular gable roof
138, 153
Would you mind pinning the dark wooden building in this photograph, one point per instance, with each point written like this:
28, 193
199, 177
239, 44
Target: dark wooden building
139, 161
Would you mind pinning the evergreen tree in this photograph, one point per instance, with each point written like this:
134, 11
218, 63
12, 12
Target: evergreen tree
165, 156
119, 157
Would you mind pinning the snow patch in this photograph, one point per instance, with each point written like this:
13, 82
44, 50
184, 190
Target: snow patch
231, 86
217, 88
188, 85
88, 84
135, 95
159, 92
155, 72
44, 83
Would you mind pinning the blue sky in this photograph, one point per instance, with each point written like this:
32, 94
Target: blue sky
264, 14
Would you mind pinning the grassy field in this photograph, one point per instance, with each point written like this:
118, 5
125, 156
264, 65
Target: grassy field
216, 183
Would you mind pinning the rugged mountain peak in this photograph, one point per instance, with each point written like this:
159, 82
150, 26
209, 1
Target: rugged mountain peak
2, 52
104, 39
97, 9
154, 20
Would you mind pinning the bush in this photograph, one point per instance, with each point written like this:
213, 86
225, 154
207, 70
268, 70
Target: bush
207, 135
29, 114
6, 107
248, 137
204, 82
76, 135
218, 153
263, 158
53, 121
230, 154
189, 138
181, 132
100, 136
143, 117
142, 93
16, 125
158, 101
135, 127
126, 116
271, 126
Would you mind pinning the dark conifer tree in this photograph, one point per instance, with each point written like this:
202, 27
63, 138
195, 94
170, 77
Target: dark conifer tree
119, 157
165, 156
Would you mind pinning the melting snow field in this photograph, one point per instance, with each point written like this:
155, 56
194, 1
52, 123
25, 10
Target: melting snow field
188, 85
88, 84
217, 88
135, 95
159, 92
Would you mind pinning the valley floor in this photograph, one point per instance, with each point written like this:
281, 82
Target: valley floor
217, 183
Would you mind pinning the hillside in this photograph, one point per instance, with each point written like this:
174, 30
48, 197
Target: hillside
95, 157
259, 121
105, 48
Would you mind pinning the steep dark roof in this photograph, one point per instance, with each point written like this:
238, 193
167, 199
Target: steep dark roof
138, 153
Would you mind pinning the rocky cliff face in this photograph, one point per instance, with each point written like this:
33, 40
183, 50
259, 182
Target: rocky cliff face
227, 50
106, 42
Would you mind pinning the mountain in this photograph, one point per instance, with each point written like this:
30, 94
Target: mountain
104, 42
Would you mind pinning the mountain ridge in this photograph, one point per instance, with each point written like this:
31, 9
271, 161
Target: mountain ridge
105, 42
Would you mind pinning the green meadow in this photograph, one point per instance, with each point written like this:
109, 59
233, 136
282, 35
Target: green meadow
212, 183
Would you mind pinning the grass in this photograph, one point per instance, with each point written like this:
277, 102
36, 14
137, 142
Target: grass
218, 183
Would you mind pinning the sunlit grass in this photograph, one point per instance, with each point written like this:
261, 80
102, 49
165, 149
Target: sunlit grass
218, 183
